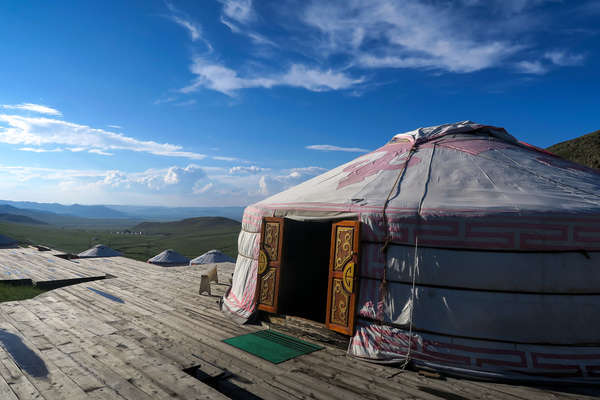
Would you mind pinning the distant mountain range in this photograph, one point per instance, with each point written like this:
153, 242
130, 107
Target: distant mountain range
76, 210
104, 216
583, 150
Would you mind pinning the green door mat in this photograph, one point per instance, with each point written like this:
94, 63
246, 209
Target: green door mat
272, 346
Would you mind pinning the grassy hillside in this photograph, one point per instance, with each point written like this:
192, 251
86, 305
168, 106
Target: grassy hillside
20, 219
191, 237
583, 150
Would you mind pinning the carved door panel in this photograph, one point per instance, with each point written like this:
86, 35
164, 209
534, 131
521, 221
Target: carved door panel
269, 264
343, 284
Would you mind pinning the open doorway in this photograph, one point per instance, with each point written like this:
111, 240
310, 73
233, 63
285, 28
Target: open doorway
303, 287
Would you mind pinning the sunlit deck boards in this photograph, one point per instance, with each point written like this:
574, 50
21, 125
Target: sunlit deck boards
94, 346
43, 267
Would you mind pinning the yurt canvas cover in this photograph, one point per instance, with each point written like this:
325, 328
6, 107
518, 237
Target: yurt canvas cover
99, 250
457, 247
211, 257
6, 241
169, 258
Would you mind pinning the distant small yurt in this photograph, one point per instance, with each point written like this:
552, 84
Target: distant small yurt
456, 247
99, 250
6, 241
169, 258
211, 257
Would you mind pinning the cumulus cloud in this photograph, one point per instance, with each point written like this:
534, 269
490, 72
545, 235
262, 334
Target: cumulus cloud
38, 108
43, 131
217, 77
271, 184
328, 147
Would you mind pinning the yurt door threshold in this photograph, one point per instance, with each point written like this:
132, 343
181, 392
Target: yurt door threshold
308, 269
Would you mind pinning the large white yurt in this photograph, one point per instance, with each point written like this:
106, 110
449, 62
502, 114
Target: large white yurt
98, 251
456, 247
169, 258
211, 257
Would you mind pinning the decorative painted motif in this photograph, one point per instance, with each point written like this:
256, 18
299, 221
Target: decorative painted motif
394, 158
339, 304
267, 287
348, 277
271, 240
262, 262
343, 246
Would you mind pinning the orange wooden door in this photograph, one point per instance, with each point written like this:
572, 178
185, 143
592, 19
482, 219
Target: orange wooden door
343, 283
269, 263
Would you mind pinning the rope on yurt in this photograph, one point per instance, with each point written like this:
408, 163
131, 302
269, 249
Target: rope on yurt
415, 268
384, 248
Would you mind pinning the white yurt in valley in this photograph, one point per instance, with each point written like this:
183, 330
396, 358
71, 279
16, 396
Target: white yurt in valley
98, 251
456, 247
169, 258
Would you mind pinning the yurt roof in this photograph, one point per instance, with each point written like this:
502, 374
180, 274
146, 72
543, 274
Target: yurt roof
212, 256
452, 169
169, 257
99, 250
6, 241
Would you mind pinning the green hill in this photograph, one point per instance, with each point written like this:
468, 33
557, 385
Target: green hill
188, 225
190, 237
583, 150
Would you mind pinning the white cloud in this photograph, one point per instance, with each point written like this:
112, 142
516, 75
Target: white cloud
223, 158
193, 28
225, 80
40, 131
252, 169
38, 108
328, 147
100, 152
564, 59
531, 67
40, 150
407, 34
238, 10
115, 126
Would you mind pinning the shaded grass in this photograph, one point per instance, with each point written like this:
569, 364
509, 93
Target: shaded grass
12, 292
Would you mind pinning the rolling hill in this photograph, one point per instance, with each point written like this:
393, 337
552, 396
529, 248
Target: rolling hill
20, 219
583, 150
191, 237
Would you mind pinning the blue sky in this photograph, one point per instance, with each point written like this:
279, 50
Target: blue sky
226, 102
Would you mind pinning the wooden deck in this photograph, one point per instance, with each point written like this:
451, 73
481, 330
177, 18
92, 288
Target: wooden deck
131, 337
43, 267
